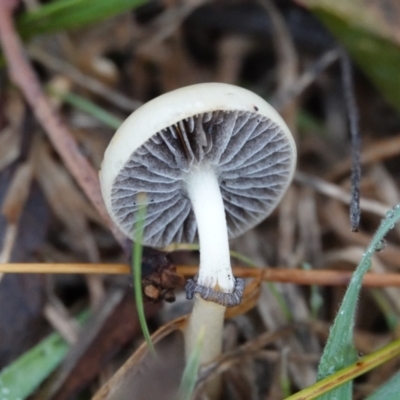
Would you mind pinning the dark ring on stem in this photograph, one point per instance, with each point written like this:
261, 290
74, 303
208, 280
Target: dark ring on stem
208, 294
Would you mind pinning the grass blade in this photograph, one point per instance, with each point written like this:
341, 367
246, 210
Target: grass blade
90, 108
67, 14
189, 376
137, 252
316, 300
340, 350
368, 37
362, 366
387, 309
389, 390
20, 379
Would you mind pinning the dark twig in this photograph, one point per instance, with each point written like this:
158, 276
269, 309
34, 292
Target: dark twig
23, 75
352, 110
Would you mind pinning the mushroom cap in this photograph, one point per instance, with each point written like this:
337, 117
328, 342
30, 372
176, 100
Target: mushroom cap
230, 129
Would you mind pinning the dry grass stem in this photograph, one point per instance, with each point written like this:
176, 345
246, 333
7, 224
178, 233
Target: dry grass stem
131, 365
63, 91
380, 150
248, 350
13, 206
23, 75
280, 274
336, 192
83, 80
61, 322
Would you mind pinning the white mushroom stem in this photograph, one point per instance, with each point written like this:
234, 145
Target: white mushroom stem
215, 270
215, 267
207, 320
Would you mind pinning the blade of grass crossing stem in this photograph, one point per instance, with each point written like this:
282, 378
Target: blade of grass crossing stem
21, 378
388, 391
137, 268
340, 350
189, 376
67, 14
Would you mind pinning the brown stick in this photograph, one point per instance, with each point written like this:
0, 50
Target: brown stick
23, 75
297, 276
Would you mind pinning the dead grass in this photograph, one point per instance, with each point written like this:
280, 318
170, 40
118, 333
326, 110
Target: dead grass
53, 216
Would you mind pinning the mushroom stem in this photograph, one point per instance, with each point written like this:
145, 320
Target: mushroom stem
213, 314
215, 270
207, 318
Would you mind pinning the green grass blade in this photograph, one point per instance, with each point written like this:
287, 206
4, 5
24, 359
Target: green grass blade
388, 391
362, 366
386, 308
340, 350
316, 300
137, 251
68, 14
21, 378
90, 108
189, 376
284, 379
363, 28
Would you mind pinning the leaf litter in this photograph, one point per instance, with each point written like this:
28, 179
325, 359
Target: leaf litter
132, 58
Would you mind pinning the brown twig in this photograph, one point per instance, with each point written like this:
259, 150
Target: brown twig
297, 276
23, 75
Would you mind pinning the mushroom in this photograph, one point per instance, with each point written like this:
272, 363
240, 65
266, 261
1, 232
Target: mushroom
214, 160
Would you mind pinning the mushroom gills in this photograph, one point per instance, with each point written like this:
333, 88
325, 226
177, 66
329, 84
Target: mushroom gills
242, 148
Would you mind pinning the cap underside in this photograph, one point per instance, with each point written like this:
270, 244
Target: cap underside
251, 155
